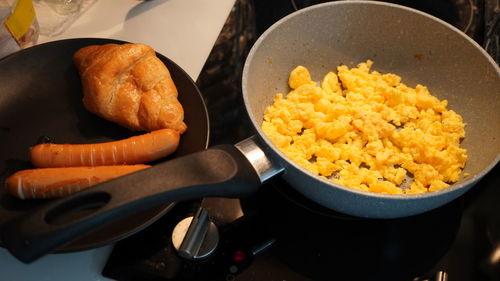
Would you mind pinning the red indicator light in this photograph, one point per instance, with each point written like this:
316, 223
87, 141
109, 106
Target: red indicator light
239, 256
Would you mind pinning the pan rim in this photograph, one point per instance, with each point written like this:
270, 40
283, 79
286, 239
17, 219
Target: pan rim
469, 182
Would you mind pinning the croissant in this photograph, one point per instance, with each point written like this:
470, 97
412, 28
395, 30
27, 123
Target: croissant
129, 85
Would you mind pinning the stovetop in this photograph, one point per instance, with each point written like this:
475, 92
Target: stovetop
277, 234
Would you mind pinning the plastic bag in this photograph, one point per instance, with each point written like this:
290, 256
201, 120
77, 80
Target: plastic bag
19, 27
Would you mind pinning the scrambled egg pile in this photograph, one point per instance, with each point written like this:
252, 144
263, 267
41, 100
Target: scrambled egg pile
368, 131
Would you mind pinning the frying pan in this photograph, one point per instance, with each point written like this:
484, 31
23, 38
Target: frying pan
40, 95
420, 48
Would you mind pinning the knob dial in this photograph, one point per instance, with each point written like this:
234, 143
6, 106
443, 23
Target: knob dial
195, 237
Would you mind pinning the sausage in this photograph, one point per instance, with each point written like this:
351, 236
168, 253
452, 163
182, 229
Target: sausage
134, 150
59, 182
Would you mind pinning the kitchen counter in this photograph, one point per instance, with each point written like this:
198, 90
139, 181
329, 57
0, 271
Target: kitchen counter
184, 31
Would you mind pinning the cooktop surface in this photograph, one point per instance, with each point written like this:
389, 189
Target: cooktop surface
277, 234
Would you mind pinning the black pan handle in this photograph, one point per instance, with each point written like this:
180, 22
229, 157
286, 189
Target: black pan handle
221, 171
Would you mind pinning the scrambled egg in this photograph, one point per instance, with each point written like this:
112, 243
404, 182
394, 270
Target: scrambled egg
368, 131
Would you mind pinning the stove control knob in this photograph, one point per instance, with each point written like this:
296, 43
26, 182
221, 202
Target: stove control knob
195, 237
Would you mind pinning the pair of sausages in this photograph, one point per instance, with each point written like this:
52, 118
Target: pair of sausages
63, 169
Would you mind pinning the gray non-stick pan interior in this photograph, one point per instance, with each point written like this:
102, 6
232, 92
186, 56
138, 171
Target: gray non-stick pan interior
418, 47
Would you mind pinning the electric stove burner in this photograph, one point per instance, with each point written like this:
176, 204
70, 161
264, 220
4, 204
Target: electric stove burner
303, 240
277, 233
320, 243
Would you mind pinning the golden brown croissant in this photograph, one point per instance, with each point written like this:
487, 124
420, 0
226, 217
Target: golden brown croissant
129, 85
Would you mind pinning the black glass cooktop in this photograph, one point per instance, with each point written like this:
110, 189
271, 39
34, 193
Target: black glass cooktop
277, 234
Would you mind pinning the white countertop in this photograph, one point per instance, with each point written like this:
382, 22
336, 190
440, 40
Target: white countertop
78, 266
182, 30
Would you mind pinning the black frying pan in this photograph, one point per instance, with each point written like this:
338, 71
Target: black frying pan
40, 95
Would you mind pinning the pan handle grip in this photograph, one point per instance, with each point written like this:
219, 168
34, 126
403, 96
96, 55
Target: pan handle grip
220, 171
